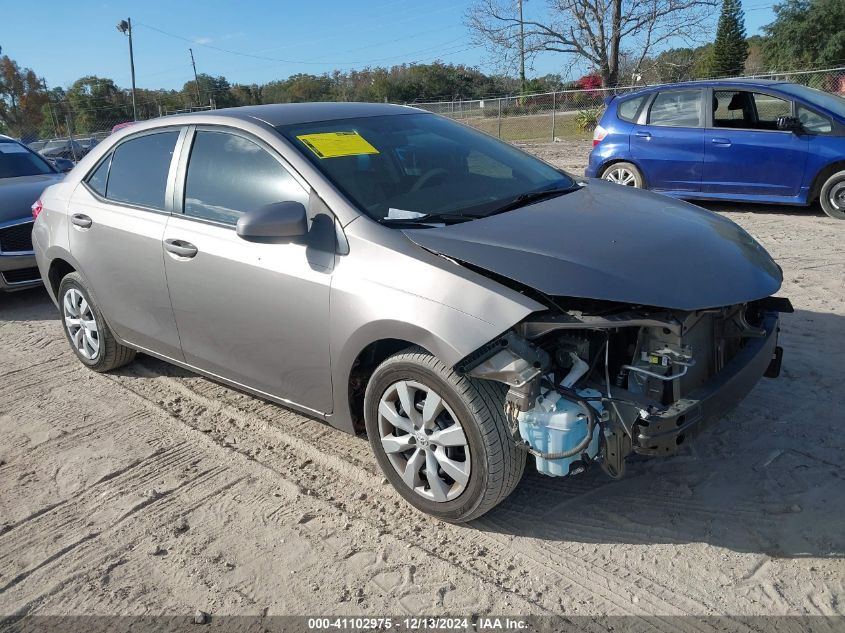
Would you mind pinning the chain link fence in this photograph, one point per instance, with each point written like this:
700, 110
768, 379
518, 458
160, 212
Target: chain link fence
69, 133
573, 114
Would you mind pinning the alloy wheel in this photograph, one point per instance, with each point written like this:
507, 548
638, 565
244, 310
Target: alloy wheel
81, 324
424, 441
621, 176
837, 196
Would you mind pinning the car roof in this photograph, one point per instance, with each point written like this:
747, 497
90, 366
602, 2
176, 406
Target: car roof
704, 83
294, 113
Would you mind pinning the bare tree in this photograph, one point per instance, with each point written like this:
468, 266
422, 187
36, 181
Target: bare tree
591, 30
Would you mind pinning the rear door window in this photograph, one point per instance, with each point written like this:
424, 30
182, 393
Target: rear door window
676, 108
139, 170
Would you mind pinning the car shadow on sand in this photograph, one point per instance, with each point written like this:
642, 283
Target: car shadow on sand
766, 478
731, 208
27, 305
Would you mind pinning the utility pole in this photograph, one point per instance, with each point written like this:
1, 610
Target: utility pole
53, 117
196, 79
125, 27
521, 51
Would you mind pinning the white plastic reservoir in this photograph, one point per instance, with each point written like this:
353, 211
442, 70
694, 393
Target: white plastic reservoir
555, 425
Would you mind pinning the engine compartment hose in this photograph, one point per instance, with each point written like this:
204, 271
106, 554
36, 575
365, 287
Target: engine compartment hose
592, 422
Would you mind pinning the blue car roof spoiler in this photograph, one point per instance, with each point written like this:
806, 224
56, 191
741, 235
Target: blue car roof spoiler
607, 99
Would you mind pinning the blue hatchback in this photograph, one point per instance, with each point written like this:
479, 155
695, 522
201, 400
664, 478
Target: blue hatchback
743, 140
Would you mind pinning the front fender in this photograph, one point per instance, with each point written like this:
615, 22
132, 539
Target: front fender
400, 291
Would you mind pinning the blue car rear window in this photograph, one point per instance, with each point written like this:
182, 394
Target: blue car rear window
627, 110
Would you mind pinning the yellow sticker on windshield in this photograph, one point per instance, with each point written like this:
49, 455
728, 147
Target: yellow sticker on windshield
336, 144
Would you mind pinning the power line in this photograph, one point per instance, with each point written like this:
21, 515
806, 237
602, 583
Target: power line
295, 61
378, 26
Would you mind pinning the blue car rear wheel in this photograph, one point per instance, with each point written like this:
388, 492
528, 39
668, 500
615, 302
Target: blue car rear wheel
832, 196
624, 174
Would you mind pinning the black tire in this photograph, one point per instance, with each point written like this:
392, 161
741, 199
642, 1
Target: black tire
832, 196
110, 354
496, 464
638, 182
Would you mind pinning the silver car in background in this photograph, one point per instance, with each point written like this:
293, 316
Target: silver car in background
391, 271
23, 176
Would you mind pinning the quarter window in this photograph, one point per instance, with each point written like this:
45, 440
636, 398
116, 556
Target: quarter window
813, 122
676, 108
229, 175
97, 181
139, 170
627, 110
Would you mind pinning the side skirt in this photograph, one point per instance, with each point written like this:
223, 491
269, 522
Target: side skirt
323, 417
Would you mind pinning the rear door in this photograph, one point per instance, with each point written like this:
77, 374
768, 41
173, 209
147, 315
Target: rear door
118, 215
744, 151
669, 145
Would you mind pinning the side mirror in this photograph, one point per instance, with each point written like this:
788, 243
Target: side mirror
277, 223
789, 123
63, 165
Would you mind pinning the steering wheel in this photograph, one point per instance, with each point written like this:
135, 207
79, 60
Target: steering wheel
431, 173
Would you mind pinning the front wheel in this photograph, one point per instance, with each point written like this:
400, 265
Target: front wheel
441, 439
832, 196
625, 174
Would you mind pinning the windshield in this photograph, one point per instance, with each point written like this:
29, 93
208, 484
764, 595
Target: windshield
16, 160
402, 166
826, 100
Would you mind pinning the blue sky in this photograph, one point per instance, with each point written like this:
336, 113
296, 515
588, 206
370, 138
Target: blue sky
63, 41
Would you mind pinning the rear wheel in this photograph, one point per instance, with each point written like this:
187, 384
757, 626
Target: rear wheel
625, 174
86, 330
440, 438
832, 196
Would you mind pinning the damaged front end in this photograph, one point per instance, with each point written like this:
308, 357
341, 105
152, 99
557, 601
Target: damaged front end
597, 383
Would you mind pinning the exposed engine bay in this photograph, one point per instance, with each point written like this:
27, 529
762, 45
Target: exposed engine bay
595, 384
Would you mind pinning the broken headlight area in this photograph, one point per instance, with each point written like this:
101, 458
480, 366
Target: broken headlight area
594, 385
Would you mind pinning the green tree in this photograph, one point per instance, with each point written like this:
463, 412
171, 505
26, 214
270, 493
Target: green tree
97, 104
22, 97
216, 89
730, 49
805, 34
755, 63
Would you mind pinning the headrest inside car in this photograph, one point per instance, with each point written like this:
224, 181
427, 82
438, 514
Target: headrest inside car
737, 101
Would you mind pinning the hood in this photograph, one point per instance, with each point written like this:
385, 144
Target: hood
615, 243
18, 194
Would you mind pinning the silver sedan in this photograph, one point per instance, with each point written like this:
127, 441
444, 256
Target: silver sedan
393, 272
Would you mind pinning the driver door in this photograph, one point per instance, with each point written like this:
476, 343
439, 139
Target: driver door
254, 314
745, 153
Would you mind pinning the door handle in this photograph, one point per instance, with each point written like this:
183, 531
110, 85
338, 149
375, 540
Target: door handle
721, 141
81, 220
180, 248
642, 134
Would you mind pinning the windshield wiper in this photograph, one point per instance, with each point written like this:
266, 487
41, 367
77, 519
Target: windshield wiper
429, 218
528, 197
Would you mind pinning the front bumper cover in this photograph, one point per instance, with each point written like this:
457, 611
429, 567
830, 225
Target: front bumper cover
11, 263
663, 432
